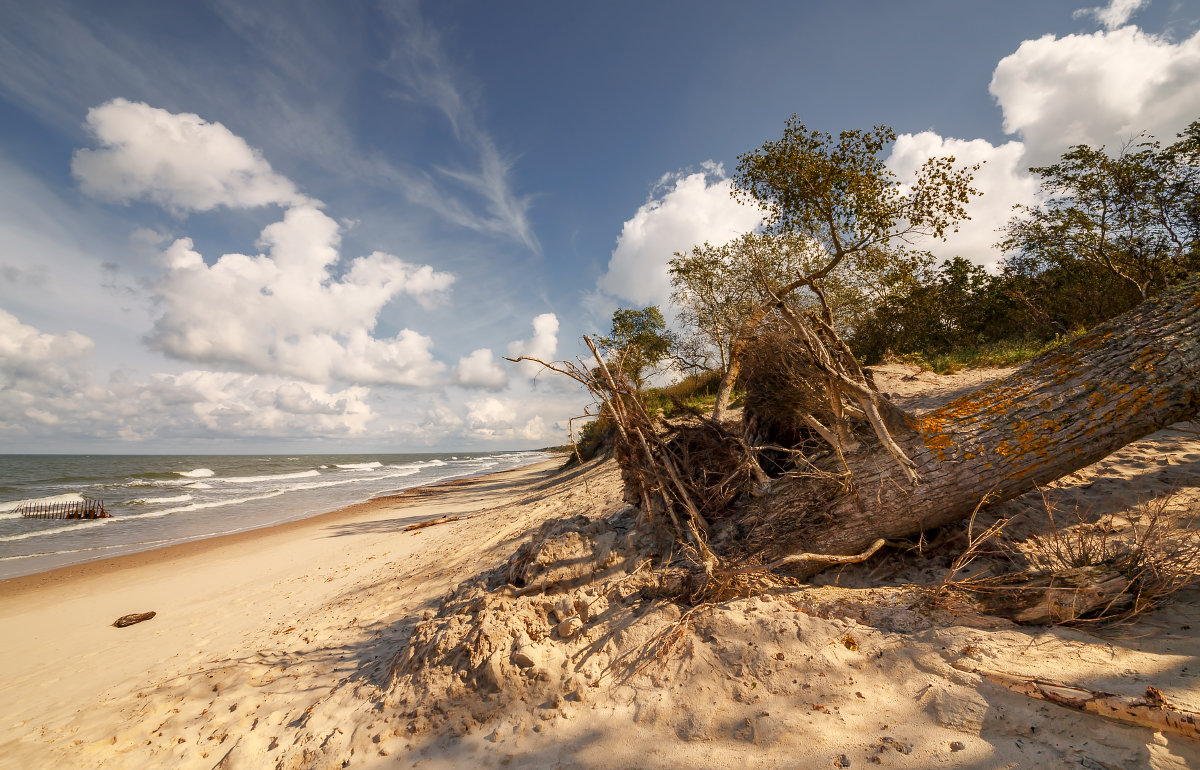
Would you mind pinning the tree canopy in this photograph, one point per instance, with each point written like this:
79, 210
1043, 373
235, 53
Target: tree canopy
1133, 214
718, 289
840, 194
638, 341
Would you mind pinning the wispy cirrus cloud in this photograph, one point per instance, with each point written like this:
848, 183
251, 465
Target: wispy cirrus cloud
282, 89
420, 67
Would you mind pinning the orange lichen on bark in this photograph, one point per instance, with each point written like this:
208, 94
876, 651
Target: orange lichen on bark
1146, 360
940, 442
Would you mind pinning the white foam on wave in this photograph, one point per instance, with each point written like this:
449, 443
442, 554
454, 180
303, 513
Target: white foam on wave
153, 483
160, 500
201, 506
438, 462
360, 480
276, 477
360, 466
105, 547
86, 524
198, 473
12, 505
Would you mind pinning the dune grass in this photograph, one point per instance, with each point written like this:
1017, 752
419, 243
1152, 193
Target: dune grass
1002, 353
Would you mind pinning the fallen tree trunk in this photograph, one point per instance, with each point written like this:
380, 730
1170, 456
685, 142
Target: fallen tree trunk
1056, 414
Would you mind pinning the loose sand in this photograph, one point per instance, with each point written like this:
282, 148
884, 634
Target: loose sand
344, 640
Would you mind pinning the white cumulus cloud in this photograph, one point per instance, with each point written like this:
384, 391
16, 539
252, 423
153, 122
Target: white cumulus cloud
48, 389
1002, 180
534, 429
178, 161
36, 361
284, 312
542, 345
495, 419
688, 210
480, 370
1097, 89
239, 404
490, 418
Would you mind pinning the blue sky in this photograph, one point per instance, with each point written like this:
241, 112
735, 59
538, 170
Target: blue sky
317, 226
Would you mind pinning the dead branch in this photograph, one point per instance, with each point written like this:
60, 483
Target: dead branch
654, 469
1152, 711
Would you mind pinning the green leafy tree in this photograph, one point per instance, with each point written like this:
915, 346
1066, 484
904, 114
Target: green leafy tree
638, 341
721, 296
839, 194
723, 292
1133, 214
958, 305
1184, 156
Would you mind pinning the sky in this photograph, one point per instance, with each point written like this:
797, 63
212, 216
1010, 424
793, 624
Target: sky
289, 226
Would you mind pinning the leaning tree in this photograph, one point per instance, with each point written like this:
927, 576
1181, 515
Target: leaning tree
720, 293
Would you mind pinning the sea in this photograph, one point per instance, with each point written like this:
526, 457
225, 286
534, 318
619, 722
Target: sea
160, 500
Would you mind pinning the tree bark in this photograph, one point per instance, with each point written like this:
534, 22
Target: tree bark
725, 389
737, 349
1056, 414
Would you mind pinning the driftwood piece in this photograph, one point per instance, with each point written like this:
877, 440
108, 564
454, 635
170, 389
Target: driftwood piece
1152, 711
129, 620
1053, 597
430, 523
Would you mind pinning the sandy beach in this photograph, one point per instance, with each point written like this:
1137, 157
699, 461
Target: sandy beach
71, 682
346, 641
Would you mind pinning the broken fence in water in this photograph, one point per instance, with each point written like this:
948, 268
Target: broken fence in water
71, 509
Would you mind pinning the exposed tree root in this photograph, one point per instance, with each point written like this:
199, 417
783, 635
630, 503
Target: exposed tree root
823, 558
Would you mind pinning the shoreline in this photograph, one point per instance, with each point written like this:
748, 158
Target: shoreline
77, 692
18, 585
